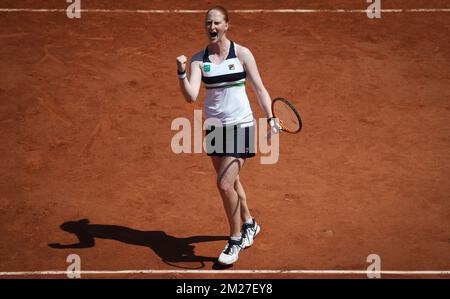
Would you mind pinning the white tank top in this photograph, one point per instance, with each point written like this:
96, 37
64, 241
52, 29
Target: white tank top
226, 98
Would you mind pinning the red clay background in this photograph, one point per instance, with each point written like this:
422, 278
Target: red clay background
85, 115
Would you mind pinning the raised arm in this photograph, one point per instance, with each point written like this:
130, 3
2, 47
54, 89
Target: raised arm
190, 87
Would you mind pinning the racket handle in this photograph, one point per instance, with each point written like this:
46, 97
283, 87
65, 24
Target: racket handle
271, 132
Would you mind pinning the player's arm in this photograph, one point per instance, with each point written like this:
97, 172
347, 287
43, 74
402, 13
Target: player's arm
189, 87
255, 79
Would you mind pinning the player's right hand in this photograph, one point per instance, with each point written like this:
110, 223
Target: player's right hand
181, 63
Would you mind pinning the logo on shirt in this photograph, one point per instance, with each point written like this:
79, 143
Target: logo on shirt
231, 67
207, 68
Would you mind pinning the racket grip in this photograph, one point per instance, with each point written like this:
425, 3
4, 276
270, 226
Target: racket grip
271, 132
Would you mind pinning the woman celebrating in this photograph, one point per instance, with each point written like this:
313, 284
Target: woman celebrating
223, 67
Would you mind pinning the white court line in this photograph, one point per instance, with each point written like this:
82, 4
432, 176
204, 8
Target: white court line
194, 11
336, 272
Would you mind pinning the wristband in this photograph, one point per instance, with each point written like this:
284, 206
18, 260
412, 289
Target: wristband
181, 75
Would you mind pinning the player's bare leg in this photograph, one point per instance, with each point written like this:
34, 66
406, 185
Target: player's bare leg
245, 211
228, 169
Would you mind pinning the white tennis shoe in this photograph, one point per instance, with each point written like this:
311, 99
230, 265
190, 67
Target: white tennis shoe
230, 254
249, 232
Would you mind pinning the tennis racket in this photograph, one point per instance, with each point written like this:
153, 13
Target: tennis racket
288, 116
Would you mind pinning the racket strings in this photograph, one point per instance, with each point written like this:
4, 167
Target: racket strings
288, 119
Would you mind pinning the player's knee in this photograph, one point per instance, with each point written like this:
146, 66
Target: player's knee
225, 186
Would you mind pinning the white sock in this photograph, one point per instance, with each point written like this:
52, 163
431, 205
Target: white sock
249, 221
236, 238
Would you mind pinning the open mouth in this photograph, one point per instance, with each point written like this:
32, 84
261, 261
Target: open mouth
213, 34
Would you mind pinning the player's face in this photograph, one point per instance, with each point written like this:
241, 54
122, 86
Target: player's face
215, 26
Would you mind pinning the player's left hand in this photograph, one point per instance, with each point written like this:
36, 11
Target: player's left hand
275, 127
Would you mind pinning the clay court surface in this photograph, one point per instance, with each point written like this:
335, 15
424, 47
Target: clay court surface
85, 129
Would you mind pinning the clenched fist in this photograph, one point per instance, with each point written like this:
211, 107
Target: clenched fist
181, 63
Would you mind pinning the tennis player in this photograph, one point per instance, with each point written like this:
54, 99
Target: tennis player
223, 67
